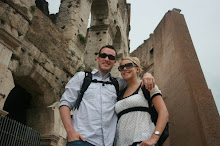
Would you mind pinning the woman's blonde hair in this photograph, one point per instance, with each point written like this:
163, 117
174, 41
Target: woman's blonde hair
134, 60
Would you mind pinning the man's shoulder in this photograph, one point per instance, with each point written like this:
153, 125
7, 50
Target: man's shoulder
119, 79
77, 77
79, 74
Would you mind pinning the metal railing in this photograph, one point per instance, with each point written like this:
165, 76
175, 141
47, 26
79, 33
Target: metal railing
13, 133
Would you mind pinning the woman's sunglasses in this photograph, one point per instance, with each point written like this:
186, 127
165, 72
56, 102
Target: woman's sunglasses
104, 55
127, 65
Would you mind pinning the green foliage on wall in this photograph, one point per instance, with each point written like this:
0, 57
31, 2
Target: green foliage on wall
33, 8
82, 38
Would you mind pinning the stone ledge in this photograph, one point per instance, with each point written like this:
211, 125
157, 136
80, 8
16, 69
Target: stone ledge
99, 27
3, 113
8, 40
49, 140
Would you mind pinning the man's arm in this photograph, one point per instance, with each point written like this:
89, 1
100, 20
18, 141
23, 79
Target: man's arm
67, 103
72, 135
148, 80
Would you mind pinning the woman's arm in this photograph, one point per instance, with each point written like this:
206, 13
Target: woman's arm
161, 121
162, 111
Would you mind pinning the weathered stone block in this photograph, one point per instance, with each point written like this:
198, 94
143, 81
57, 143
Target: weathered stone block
49, 66
6, 84
5, 55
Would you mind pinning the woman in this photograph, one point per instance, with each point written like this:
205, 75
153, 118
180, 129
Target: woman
136, 127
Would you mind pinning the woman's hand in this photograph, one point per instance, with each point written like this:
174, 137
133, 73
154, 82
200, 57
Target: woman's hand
151, 141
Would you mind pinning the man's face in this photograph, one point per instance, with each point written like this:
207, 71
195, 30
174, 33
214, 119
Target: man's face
105, 60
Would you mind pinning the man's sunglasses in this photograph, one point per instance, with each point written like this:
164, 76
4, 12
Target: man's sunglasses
104, 55
127, 65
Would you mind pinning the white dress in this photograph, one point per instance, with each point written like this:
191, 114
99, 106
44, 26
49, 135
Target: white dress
134, 126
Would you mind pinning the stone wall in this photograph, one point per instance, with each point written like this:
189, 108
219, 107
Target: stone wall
170, 55
40, 55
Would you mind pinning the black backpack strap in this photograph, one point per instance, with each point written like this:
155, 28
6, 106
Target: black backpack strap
116, 84
103, 82
153, 112
154, 116
86, 82
132, 109
147, 96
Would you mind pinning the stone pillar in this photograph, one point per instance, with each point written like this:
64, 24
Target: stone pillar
98, 37
15, 19
6, 84
7, 43
47, 121
193, 116
72, 21
193, 113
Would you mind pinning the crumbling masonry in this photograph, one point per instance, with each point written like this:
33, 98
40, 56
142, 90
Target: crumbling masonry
39, 53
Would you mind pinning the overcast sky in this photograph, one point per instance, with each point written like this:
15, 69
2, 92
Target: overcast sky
203, 21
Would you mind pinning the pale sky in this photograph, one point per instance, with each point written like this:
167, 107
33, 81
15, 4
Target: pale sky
203, 21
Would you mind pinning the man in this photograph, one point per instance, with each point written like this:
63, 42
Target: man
94, 122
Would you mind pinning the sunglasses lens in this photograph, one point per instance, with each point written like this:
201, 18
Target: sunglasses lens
111, 57
103, 55
129, 65
120, 68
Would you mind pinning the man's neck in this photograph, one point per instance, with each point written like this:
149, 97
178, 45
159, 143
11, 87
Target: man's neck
104, 73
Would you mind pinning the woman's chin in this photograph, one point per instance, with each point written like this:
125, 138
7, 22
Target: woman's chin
126, 77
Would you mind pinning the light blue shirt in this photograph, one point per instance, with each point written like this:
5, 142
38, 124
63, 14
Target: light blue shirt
95, 119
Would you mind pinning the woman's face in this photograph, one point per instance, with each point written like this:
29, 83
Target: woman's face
128, 69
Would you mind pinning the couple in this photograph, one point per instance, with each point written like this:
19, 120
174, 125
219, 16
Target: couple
94, 122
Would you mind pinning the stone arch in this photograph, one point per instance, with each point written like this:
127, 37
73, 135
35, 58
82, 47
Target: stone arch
37, 107
99, 12
98, 33
31, 79
117, 41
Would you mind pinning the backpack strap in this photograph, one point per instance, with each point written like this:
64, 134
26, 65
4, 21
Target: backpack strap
153, 112
154, 116
147, 96
133, 109
115, 83
86, 82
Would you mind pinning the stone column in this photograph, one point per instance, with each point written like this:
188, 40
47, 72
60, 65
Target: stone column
72, 21
7, 42
98, 37
47, 121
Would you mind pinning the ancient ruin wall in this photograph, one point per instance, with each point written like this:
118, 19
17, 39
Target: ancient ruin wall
193, 115
40, 55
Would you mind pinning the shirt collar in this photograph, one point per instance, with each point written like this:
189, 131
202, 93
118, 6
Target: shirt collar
95, 71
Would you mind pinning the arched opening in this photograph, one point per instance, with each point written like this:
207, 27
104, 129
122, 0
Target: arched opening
117, 42
31, 102
99, 12
16, 104
49, 8
89, 21
43, 6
